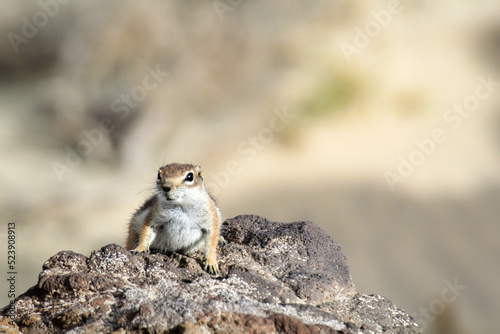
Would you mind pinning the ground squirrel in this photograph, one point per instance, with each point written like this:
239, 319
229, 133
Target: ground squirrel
180, 217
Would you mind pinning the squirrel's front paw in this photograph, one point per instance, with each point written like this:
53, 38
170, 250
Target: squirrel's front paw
140, 250
211, 267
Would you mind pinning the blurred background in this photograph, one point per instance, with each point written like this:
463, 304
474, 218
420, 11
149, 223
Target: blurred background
340, 112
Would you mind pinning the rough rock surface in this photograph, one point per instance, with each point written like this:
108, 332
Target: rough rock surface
275, 278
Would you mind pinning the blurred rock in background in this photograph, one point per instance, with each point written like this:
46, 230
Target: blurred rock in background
295, 111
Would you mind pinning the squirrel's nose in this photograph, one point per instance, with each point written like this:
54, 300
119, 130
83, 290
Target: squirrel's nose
166, 189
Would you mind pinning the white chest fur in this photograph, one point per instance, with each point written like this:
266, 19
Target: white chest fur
180, 228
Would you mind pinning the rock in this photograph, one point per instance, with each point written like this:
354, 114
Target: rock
275, 278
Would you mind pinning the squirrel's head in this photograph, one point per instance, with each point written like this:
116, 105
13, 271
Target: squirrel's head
177, 182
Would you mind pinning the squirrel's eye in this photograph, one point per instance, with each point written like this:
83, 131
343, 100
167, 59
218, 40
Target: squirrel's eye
189, 177
159, 175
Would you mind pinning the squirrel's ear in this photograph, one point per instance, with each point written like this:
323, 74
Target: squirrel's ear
198, 170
